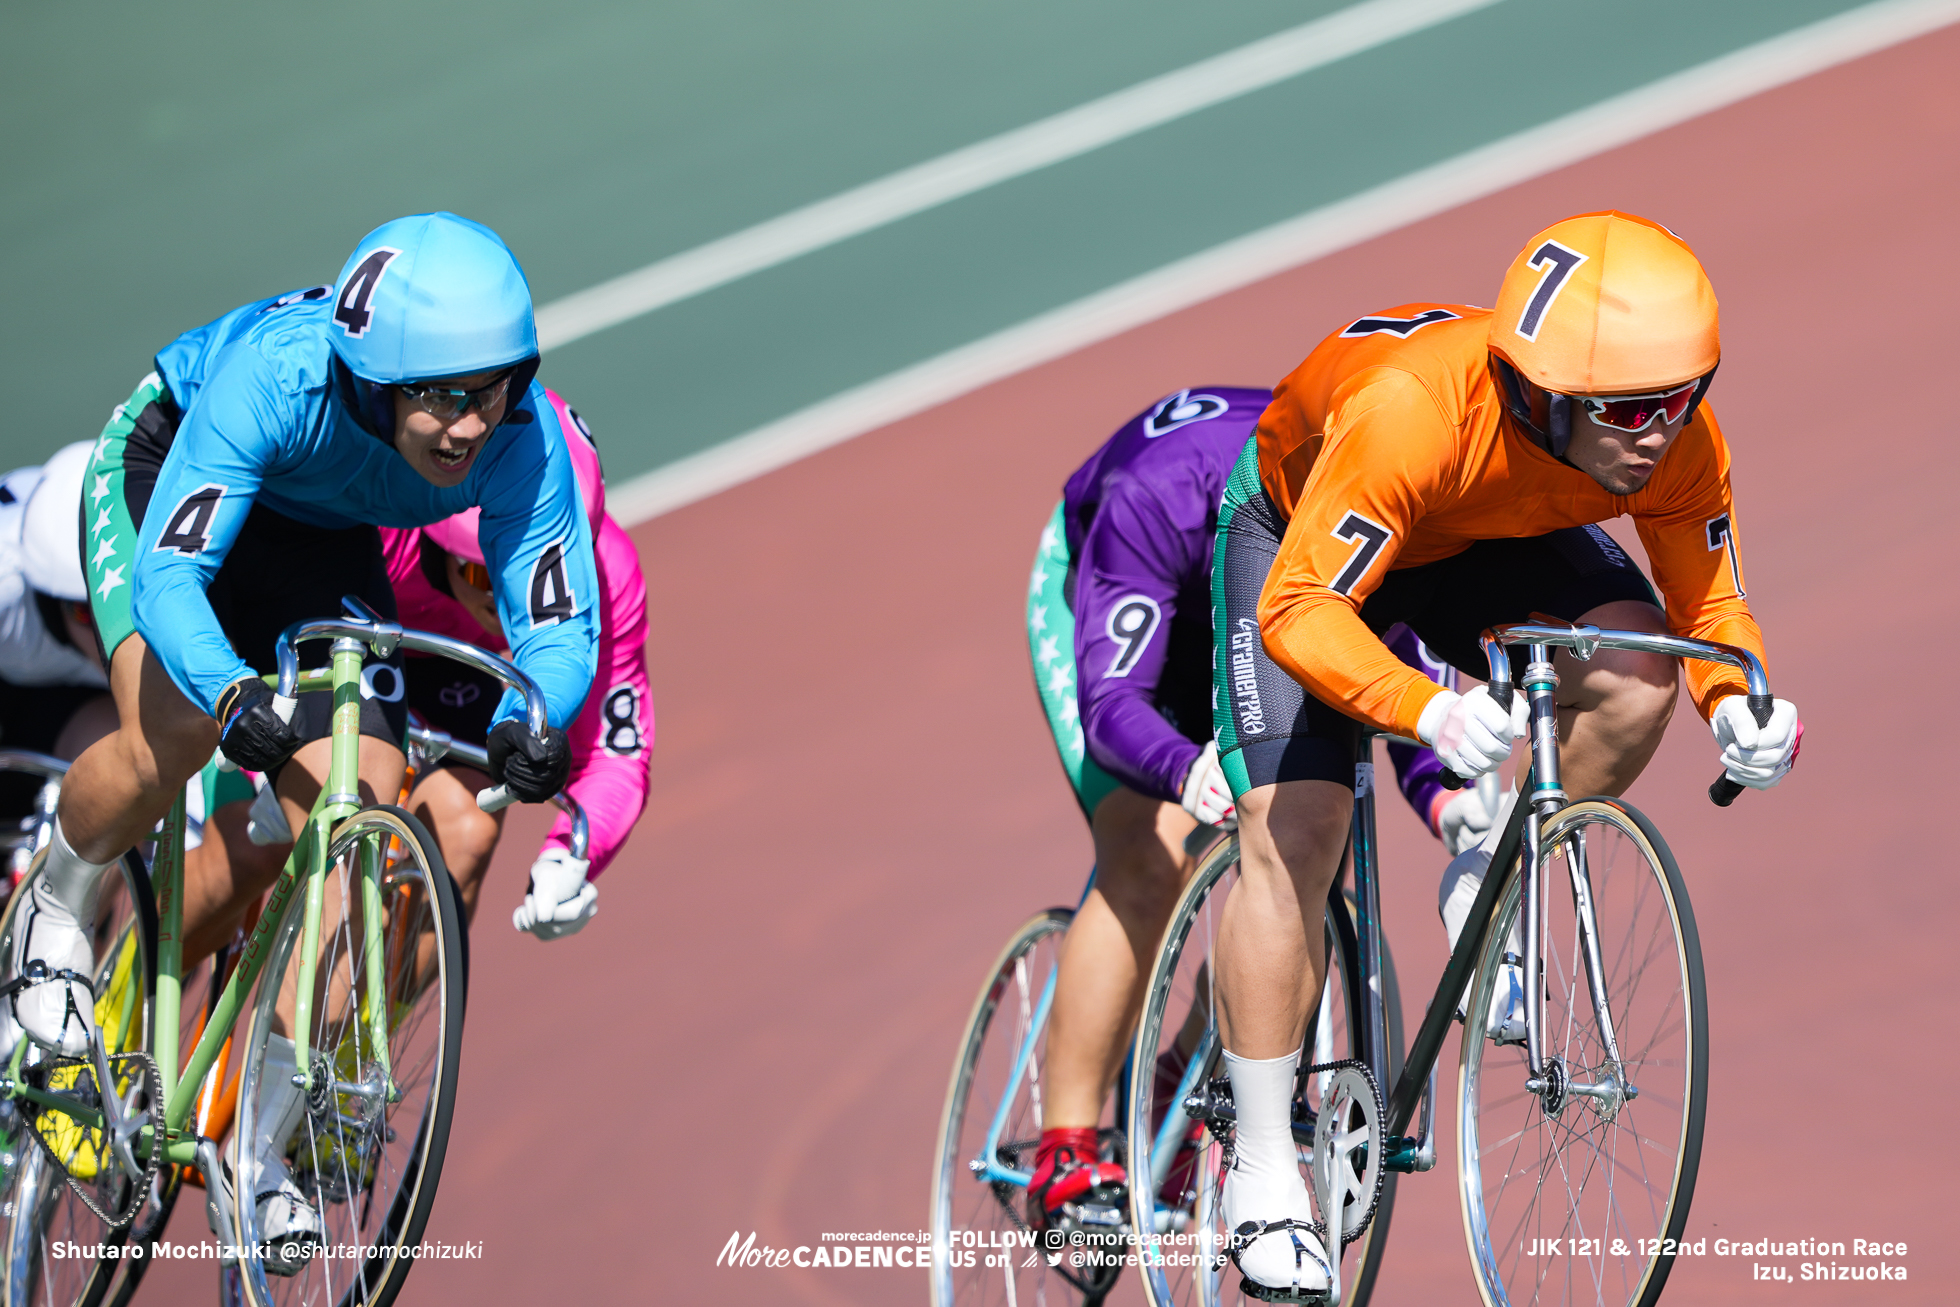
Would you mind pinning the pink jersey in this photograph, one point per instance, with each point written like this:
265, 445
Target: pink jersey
612, 740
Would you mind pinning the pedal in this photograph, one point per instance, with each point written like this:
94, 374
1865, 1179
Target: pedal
1253, 1289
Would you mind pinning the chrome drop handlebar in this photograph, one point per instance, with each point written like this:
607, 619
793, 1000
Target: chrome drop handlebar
368, 627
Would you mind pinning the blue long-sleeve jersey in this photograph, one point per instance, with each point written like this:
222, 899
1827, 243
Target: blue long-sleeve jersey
268, 417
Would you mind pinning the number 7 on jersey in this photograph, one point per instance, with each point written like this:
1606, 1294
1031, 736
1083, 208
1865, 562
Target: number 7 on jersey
1369, 537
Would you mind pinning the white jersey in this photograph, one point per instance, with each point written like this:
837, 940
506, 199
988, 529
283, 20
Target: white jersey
29, 653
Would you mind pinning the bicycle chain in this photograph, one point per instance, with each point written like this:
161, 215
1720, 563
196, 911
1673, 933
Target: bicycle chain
1381, 1115
105, 1154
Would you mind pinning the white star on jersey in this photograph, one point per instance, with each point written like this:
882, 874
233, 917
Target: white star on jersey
1059, 681
1038, 617
110, 580
101, 486
1050, 650
107, 549
1037, 579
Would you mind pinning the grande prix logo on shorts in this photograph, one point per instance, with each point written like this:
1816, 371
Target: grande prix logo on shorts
1181, 410
1245, 678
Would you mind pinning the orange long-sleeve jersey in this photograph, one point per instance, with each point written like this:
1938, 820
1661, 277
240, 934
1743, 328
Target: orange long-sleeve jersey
1388, 448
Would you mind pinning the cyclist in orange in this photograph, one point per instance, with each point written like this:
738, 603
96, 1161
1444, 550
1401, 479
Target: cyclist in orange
1446, 467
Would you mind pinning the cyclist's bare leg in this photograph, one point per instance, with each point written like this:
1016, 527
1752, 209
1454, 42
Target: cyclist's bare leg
123, 784
1272, 944
1614, 708
223, 876
1140, 867
1271, 955
85, 726
445, 801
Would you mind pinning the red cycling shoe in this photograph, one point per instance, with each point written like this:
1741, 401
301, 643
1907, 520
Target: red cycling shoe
1068, 1168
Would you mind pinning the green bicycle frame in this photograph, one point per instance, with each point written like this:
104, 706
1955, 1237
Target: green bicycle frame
337, 800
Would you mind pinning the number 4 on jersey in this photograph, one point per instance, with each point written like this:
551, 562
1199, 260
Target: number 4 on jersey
551, 591
188, 529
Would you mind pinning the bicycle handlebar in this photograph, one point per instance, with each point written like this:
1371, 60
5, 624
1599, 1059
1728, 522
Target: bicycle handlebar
384, 637
439, 744
1585, 641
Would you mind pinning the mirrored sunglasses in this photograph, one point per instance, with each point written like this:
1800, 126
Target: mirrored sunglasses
1638, 412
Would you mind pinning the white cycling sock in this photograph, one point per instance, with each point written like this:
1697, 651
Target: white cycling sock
1265, 1183
70, 878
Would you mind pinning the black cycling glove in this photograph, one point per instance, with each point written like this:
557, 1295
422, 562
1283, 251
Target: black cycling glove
250, 732
535, 769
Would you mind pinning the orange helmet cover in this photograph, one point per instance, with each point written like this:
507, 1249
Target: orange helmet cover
1604, 304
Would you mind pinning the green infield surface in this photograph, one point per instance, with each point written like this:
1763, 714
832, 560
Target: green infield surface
794, 221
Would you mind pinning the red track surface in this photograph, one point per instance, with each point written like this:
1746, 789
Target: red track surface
855, 799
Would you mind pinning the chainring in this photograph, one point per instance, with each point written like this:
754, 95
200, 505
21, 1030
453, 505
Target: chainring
1348, 1146
72, 1146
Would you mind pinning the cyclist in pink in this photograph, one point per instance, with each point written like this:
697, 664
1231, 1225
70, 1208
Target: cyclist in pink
441, 586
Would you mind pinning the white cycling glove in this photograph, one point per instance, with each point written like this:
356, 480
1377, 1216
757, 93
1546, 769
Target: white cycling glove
1756, 756
1469, 732
561, 899
1463, 821
1206, 795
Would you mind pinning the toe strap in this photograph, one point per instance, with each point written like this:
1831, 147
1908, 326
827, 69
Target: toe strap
1250, 1231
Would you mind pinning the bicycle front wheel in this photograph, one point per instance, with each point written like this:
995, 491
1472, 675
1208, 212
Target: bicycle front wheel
991, 1127
1176, 1163
1575, 1193
369, 1146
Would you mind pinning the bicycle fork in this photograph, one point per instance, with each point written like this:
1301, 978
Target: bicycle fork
1547, 1078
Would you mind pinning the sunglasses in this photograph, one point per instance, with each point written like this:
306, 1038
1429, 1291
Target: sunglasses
1633, 413
446, 403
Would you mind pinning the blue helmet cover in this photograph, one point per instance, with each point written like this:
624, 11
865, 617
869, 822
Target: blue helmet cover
432, 295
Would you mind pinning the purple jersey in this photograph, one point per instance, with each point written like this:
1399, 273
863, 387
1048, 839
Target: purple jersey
1140, 516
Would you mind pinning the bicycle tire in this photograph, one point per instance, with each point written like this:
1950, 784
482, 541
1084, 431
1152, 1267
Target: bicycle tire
40, 1206
1174, 985
963, 1200
373, 1184
1633, 1159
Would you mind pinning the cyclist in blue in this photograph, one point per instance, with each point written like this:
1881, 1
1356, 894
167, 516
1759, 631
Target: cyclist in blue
238, 490
1119, 626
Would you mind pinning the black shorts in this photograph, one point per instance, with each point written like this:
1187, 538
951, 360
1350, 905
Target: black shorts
453, 698
32, 717
1270, 729
279, 571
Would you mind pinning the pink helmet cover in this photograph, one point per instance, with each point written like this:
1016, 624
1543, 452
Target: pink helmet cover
458, 534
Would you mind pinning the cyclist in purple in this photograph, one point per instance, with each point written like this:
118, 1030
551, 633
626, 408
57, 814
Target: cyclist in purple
1119, 626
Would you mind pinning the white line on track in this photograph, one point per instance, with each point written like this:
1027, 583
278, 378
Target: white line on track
1000, 158
1252, 258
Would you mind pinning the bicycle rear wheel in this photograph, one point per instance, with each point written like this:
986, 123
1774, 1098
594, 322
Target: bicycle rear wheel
1569, 1196
38, 1206
370, 1144
1178, 1051
989, 1131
